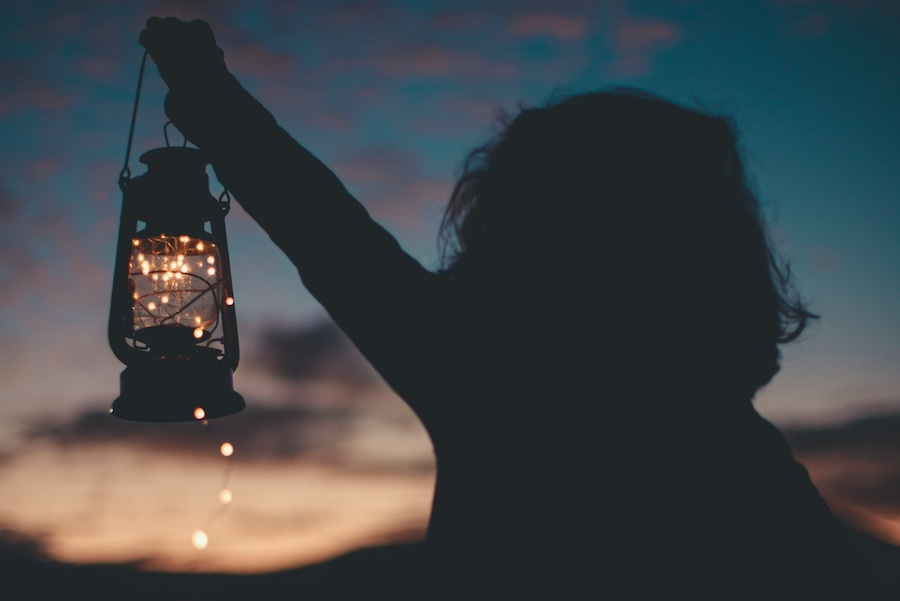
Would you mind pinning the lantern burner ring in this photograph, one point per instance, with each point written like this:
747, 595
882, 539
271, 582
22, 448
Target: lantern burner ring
174, 340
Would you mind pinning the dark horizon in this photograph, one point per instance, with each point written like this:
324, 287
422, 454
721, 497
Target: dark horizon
389, 572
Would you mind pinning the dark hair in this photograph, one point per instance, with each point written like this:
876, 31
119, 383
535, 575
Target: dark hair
658, 186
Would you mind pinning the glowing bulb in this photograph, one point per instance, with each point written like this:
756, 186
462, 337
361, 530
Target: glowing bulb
198, 333
164, 299
211, 271
200, 246
184, 239
140, 257
197, 319
199, 539
226, 449
199, 413
155, 277
229, 301
225, 496
185, 268
210, 259
135, 242
151, 306
173, 266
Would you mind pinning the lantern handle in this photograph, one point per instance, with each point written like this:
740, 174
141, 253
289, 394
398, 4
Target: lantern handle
166, 135
125, 174
225, 201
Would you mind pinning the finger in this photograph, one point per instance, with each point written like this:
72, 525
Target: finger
151, 31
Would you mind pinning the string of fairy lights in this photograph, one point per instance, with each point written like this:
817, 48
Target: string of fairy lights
200, 536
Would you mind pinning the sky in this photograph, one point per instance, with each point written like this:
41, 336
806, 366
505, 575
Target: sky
391, 95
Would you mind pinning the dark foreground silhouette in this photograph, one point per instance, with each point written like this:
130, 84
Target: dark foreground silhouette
382, 573
585, 361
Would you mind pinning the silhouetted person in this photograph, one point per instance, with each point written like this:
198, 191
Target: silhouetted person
585, 360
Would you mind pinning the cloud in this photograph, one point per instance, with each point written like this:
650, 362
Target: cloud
258, 433
369, 428
317, 351
412, 60
563, 27
846, 5
250, 57
817, 18
33, 95
635, 43
100, 68
641, 35
857, 462
393, 184
825, 259
16, 258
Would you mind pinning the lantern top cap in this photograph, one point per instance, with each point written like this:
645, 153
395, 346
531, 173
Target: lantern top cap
175, 157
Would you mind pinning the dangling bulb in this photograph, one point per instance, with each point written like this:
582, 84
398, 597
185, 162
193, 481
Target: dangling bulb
199, 539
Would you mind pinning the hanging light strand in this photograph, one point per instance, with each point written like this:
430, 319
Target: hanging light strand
200, 536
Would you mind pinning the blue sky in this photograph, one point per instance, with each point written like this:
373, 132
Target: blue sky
392, 95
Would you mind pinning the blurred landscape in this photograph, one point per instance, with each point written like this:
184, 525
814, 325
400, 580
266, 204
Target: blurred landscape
379, 573
855, 466
388, 572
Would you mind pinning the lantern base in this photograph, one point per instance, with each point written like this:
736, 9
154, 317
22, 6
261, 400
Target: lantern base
179, 391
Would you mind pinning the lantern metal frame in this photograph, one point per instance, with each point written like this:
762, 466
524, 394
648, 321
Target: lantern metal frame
173, 372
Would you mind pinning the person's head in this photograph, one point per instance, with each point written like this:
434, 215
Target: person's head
642, 207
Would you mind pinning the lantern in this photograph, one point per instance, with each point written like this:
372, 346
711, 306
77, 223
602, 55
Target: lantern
172, 318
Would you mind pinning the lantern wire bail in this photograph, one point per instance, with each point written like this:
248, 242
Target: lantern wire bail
166, 134
125, 174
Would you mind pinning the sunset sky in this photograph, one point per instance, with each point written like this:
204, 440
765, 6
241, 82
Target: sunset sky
392, 95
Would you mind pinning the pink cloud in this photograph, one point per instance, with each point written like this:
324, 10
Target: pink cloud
436, 61
43, 168
393, 184
99, 181
642, 35
821, 11
635, 42
102, 68
459, 21
34, 96
564, 27
825, 259
336, 121
842, 4
357, 11
253, 57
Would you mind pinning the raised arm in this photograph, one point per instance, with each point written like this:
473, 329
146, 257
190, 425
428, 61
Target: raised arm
379, 295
